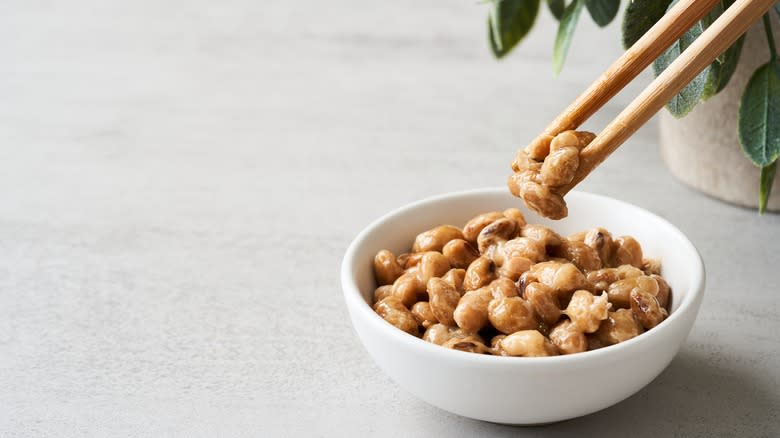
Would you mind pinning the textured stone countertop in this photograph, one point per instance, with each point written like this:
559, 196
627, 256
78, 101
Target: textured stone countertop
180, 180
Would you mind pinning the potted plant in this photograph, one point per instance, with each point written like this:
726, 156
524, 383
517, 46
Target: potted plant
721, 133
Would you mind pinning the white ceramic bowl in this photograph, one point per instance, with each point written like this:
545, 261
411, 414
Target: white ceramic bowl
518, 390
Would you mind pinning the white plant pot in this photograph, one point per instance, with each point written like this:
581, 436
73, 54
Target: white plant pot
702, 149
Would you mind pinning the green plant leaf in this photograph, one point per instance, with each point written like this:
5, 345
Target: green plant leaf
684, 101
565, 33
724, 65
603, 11
710, 81
556, 7
758, 121
509, 22
765, 190
721, 70
640, 16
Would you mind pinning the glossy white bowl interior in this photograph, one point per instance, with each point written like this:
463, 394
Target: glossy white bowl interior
523, 390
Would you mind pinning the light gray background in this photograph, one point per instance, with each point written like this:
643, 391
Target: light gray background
180, 180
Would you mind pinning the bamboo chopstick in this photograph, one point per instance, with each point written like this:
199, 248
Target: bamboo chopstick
633, 61
734, 22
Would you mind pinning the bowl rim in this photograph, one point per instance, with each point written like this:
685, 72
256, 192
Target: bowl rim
356, 303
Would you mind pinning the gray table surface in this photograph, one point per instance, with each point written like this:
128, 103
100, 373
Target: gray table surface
180, 180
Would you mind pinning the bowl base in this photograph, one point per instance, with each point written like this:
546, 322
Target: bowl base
525, 424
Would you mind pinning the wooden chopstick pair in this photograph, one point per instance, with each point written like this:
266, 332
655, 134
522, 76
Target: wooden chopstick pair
721, 34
